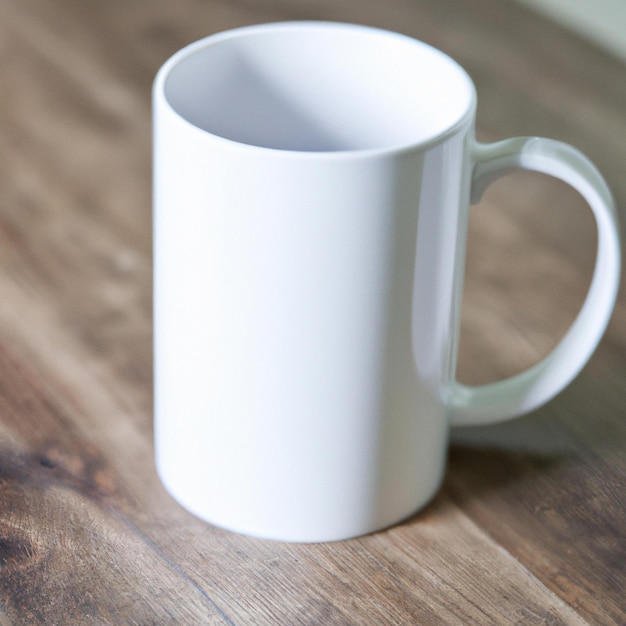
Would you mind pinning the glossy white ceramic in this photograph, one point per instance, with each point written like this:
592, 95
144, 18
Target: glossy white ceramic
311, 191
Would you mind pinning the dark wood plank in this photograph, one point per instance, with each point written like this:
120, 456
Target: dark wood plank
529, 526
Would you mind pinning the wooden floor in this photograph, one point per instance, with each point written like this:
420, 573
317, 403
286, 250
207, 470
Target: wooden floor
530, 526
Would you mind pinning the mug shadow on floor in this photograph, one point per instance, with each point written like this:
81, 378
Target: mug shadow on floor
509, 461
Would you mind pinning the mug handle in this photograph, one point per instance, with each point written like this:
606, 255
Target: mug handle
511, 397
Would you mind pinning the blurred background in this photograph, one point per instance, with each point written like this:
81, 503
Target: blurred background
602, 21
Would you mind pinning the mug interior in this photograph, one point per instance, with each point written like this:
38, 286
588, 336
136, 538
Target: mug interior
318, 87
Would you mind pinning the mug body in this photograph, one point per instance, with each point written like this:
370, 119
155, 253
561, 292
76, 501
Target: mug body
311, 187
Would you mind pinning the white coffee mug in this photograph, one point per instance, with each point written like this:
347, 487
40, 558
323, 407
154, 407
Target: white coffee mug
311, 190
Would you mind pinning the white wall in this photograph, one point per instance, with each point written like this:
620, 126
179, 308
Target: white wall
602, 21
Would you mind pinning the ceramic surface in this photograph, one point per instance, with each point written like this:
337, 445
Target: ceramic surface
312, 184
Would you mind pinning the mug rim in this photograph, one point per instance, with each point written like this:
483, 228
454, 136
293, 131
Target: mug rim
164, 72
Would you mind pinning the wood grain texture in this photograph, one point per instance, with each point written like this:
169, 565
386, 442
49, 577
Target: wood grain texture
529, 527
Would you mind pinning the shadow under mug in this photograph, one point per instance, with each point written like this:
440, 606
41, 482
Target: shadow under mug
311, 190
